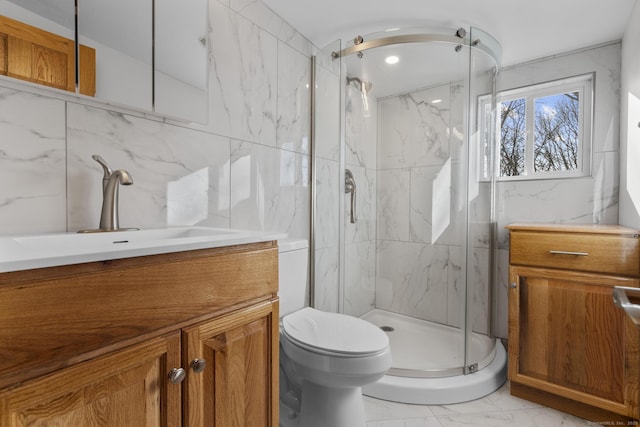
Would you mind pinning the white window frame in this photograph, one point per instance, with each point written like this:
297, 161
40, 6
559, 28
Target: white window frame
582, 84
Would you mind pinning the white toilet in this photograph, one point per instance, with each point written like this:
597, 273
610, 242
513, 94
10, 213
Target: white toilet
325, 358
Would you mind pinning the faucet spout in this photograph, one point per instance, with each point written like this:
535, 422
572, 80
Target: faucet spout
106, 169
109, 218
111, 182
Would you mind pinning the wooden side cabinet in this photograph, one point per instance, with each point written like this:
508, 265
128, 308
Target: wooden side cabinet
181, 339
570, 347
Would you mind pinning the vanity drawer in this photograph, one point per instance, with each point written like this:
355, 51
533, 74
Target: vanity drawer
600, 253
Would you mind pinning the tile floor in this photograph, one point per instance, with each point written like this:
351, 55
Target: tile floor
499, 409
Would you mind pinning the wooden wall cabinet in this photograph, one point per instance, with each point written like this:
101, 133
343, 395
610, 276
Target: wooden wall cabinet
31, 54
570, 347
96, 344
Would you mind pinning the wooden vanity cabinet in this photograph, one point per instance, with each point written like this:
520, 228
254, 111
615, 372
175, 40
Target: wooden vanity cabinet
570, 347
98, 344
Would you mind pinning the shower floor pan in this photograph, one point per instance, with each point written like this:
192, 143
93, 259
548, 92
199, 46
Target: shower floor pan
427, 360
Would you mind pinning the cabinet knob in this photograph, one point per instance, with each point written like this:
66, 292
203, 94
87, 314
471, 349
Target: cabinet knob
198, 365
513, 285
176, 375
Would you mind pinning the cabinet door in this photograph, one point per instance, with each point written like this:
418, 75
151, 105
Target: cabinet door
567, 337
239, 385
127, 388
37, 56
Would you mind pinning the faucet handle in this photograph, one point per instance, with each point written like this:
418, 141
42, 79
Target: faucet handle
105, 166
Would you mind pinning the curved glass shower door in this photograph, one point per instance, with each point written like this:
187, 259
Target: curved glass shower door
416, 261
484, 59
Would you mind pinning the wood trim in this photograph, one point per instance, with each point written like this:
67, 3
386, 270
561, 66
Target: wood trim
275, 364
4, 55
33, 276
574, 228
577, 276
87, 70
568, 406
571, 394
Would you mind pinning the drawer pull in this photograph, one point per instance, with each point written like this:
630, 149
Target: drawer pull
569, 253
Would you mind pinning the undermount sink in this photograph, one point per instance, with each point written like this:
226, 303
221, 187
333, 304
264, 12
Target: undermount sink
129, 237
47, 250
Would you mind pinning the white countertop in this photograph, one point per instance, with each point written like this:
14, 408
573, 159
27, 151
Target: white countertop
25, 252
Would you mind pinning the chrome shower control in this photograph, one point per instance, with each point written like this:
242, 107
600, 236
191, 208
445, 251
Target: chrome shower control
350, 187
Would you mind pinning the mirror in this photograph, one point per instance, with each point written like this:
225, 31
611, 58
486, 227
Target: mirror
120, 32
115, 44
181, 58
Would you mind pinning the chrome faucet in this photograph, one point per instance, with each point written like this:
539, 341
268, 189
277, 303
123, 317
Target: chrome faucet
111, 181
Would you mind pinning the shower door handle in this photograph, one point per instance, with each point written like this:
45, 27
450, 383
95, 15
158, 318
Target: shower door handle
350, 187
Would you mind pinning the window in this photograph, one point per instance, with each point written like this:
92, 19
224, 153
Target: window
545, 129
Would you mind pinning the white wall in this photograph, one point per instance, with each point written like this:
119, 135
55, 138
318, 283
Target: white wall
585, 200
630, 123
248, 168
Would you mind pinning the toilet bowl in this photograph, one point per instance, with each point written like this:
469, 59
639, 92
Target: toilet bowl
325, 358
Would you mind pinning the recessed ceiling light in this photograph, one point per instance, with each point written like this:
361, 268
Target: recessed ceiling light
391, 59
436, 101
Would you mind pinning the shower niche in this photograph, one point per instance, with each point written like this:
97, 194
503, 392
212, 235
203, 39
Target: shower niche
400, 110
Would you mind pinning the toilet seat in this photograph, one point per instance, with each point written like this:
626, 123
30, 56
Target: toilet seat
333, 333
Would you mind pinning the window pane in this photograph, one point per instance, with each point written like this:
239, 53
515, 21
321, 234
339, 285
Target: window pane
512, 136
556, 132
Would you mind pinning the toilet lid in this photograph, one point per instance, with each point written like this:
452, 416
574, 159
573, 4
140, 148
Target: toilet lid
334, 332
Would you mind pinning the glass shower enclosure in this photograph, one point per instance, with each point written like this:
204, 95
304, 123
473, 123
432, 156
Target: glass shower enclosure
403, 137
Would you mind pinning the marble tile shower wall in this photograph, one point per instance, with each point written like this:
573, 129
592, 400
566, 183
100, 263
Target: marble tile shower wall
248, 168
420, 216
405, 157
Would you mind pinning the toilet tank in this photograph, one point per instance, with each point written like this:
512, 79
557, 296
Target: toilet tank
292, 269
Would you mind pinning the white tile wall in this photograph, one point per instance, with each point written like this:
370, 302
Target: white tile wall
32, 163
586, 200
420, 215
248, 168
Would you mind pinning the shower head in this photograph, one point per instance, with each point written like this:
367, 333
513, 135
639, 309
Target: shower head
362, 85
